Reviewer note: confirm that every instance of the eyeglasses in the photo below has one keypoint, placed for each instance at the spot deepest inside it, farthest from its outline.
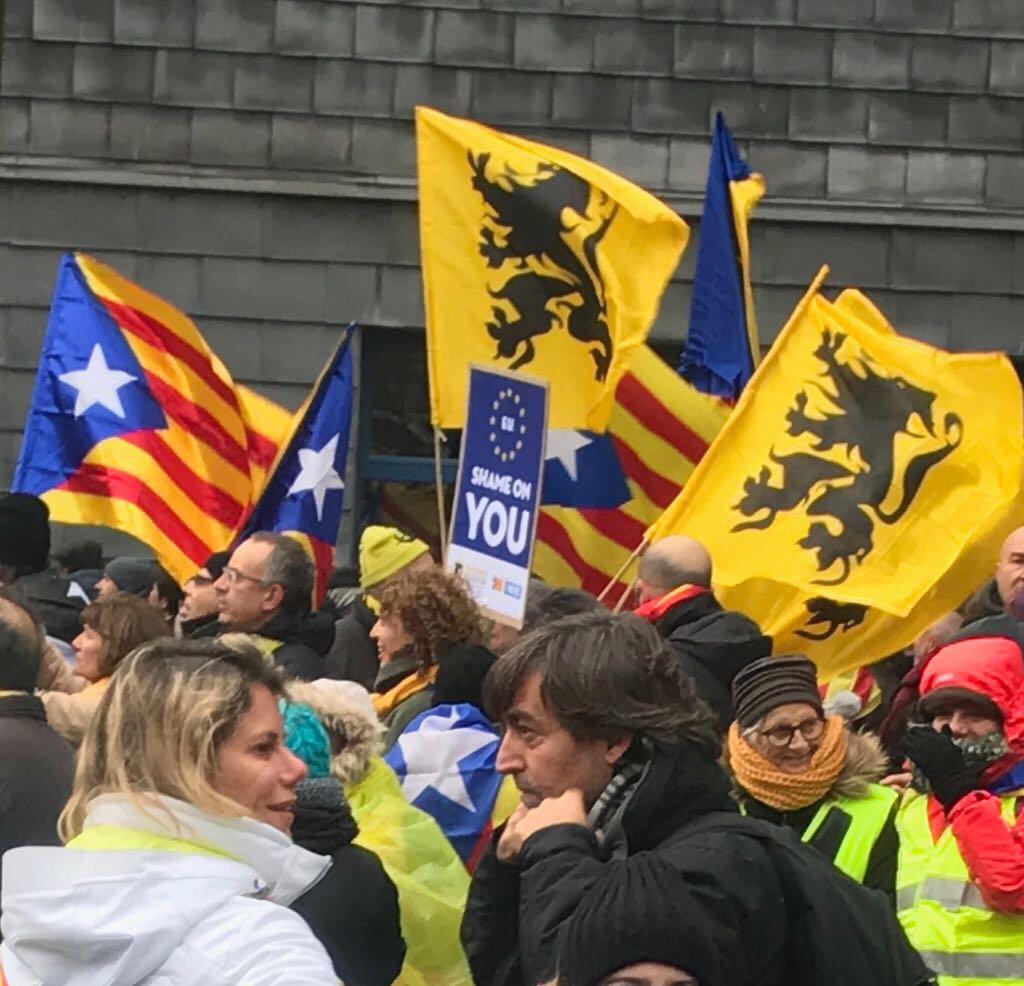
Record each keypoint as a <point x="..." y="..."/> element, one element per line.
<point x="233" y="576"/>
<point x="782" y="736"/>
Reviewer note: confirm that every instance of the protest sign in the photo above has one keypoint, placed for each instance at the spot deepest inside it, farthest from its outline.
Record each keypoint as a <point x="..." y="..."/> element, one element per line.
<point x="499" y="488"/>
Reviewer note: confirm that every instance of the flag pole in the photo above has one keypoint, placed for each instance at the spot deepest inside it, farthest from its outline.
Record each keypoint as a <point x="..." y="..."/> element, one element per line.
<point x="442" y="529"/>
<point x="636" y="553"/>
<point x="625" y="595"/>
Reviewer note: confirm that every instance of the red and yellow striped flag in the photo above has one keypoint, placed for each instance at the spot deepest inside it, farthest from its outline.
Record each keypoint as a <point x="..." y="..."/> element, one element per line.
<point x="136" y="424"/>
<point x="660" y="426"/>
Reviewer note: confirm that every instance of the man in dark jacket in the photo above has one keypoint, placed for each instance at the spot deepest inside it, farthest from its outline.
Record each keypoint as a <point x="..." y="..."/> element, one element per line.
<point x="24" y="562"/>
<point x="36" y="765"/>
<point x="384" y="552"/>
<point x="714" y="644"/>
<point x="616" y="757"/>
<point x="265" y="591"/>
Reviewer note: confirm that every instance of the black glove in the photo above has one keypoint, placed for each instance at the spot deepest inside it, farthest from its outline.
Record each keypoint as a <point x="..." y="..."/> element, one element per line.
<point x="942" y="763"/>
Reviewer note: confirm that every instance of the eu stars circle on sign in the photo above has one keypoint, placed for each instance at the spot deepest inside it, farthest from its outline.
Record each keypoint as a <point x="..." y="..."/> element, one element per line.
<point x="508" y="425"/>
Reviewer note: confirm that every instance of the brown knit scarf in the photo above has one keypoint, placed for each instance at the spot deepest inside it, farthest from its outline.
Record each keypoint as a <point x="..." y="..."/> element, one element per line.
<point x="762" y="780"/>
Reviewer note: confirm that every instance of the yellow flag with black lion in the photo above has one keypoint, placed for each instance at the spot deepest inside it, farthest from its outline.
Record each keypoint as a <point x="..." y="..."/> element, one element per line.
<point x="861" y="487"/>
<point x="534" y="259"/>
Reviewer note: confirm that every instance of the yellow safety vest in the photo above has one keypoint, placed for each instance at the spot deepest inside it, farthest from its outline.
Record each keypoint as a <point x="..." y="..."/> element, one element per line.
<point x="958" y="935"/>
<point x="868" y="815"/>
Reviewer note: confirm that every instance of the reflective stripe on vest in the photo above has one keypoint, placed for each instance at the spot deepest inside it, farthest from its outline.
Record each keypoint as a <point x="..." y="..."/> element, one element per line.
<point x="988" y="967"/>
<point x="959" y="936"/>
<point x="868" y="815"/>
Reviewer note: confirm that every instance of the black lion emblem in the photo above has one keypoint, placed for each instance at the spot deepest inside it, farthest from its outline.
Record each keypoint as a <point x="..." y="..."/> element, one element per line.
<point x="826" y="617"/>
<point x="856" y="460"/>
<point x="526" y="219"/>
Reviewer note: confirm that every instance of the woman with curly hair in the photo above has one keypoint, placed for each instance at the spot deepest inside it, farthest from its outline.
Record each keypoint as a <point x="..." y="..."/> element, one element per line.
<point x="428" y="635"/>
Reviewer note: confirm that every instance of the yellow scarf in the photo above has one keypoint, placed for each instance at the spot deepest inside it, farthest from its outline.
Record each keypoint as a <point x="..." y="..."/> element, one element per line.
<point x="384" y="702"/>
<point x="762" y="780"/>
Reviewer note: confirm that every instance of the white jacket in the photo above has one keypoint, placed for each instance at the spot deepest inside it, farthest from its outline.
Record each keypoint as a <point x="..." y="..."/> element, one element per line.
<point x="153" y="917"/>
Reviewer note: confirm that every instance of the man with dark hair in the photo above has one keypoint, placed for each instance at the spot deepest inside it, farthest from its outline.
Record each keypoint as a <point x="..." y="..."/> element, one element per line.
<point x="714" y="644"/>
<point x="24" y="562"/>
<point x="200" y="610"/>
<point x="616" y="757"/>
<point x="613" y="754"/>
<point x="36" y="765"/>
<point x="265" y="590"/>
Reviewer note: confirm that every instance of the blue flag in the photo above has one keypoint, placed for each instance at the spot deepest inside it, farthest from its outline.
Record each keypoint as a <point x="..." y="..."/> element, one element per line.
<point x="581" y="470"/>
<point x="445" y="760"/>
<point x="722" y="346"/>
<point x="304" y="493"/>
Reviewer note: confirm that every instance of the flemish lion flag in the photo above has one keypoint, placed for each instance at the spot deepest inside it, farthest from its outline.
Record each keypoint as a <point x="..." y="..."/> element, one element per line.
<point x="534" y="259"/>
<point x="858" y="467"/>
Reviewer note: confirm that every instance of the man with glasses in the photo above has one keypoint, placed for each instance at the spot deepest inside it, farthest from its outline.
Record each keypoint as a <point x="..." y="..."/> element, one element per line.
<point x="200" y="609"/>
<point x="795" y="766"/>
<point x="265" y="591"/>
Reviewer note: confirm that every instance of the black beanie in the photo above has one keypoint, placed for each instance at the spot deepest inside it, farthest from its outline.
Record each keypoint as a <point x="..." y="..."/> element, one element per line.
<point x="642" y="911"/>
<point x="216" y="564"/>
<point x="769" y="682"/>
<point x="24" y="532"/>
<point x="132" y="575"/>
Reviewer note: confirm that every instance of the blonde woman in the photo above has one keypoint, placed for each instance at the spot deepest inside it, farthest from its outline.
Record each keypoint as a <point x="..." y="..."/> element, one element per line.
<point x="178" y="851"/>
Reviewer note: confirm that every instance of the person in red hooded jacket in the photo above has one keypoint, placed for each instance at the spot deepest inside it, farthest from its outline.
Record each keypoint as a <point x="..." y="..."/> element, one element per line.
<point x="960" y="882"/>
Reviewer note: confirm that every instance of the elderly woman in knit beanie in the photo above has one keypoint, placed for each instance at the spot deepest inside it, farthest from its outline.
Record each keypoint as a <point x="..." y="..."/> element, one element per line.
<point x="794" y="765"/>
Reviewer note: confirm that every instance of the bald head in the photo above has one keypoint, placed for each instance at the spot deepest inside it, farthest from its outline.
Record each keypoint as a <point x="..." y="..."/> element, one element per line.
<point x="1010" y="567"/>
<point x="20" y="648"/>
<point x="671" y="562"/>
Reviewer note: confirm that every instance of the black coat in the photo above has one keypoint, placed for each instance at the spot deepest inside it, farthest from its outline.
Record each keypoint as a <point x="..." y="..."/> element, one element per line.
<point x="36" y="768"/>
<point x="305" y="639"/>
<point x="714" y="645"/>
<point x="353" y="655"/>
<point x="515" y="912"/>
<point x="47" y="596"/>
<point x="353" y="910"/>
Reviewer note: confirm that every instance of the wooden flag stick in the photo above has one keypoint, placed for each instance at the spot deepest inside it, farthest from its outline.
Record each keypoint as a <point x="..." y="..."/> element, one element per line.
<point x="637" y="552"/>
<point x="442" y="521"/>
<point x="625" y="595"/>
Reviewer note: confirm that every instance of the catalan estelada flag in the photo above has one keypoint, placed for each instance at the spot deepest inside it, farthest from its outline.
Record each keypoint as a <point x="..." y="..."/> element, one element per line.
<point x="858" y="469"/>
<point x="534" y="259"/>
<point x="304" y="492"/>
<point x="134" y="423"/>
<point x="722" y="347"/>
<point x="660" y="427"/>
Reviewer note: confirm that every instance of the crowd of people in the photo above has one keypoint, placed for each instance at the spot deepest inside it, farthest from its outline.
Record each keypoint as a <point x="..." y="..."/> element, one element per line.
<point x="216" y="783"/>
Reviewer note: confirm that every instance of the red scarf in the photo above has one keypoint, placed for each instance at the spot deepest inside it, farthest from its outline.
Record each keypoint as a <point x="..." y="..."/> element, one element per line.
<point x="655" y="609"/>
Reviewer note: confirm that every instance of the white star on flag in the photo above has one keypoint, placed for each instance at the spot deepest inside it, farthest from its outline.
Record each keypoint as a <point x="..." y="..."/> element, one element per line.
<point x="97" y="384"/>
<point x="564" y="444"/>
<point x="317" y="474"/>
<point x="432" y="754"/>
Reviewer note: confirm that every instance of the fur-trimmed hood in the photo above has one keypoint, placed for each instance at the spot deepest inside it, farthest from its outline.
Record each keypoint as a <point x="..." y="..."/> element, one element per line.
<point x="865" y="764"/>
<point x="344" y="707"/>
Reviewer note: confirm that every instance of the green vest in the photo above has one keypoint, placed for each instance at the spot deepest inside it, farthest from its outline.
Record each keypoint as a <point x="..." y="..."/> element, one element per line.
<point x="958" y="935"/>
<point x="867" y="817"/>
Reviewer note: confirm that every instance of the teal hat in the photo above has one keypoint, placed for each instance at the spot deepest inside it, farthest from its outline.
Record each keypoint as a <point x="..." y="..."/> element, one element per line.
<point x="305" y="736"/>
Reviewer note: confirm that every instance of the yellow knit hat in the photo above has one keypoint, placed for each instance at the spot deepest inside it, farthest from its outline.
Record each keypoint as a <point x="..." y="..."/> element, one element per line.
<point x="385" y="550"/>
